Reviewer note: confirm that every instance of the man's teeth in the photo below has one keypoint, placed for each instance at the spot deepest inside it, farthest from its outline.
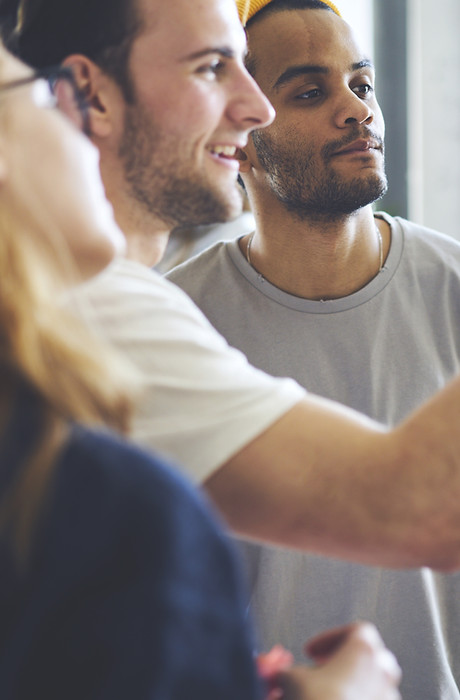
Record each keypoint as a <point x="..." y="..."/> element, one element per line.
<point x="228" y="151"/>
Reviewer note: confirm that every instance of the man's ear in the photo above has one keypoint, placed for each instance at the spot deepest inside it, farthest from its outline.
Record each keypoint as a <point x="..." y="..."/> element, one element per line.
<point x="97" y="89"/>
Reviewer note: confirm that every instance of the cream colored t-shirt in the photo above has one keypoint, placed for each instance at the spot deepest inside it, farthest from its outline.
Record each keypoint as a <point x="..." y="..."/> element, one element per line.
<point x="202" y="401"/>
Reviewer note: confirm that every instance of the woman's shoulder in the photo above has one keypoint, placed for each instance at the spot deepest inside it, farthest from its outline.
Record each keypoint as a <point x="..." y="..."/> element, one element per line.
<point x="131" y="493"/>
<point x="125" y="472"/>
<point x="114" y="500"/>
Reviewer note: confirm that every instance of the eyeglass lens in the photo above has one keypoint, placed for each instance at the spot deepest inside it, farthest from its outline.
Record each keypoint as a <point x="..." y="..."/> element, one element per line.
<point x="68" y="100"/>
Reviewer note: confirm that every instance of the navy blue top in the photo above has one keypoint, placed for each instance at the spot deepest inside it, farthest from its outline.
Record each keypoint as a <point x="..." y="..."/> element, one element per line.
<point x="131" y="590"/>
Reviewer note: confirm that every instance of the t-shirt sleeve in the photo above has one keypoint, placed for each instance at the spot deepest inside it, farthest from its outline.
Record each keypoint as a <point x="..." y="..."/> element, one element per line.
<point x="201" y="402"/>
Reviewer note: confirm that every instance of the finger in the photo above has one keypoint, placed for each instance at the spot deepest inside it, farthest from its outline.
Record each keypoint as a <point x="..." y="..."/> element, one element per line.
<point x="276" y="660"/>
<point x="325" y="644"/>
<point x="389" y="664"/>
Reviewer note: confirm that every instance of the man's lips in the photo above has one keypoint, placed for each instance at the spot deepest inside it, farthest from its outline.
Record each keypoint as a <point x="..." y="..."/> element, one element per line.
<point x="358" y="146"/>
<point x="227" y="149"/>
<point x="223" y="151"/>
<point x="225" y="154"/>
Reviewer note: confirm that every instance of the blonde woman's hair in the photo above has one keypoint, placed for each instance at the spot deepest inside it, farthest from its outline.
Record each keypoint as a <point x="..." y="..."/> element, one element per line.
<point x="46" y="350"/>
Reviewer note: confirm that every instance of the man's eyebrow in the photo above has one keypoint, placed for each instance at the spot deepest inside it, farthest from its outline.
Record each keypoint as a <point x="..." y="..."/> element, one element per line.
<point x="223" y="51"/>
<point x="294" y="71"/>
<point x="365" y="63"/>
<point x="305" y="69"/>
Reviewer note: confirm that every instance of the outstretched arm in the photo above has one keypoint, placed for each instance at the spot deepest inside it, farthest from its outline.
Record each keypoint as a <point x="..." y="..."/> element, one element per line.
<point x="324" y="478"/>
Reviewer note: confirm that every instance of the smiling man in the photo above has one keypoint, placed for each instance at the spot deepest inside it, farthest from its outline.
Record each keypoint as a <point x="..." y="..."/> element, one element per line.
<point x="358" y="307"/>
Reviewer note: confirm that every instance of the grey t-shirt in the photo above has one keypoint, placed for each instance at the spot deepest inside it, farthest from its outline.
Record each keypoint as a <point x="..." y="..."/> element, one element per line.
<point x="383" y="351"/>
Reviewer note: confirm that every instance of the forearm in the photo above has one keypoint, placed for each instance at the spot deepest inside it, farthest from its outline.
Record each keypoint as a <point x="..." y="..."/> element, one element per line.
<point x="326" y="479"/>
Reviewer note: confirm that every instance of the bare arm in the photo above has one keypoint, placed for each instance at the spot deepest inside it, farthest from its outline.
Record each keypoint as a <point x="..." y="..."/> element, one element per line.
<point x="324" y="478"/>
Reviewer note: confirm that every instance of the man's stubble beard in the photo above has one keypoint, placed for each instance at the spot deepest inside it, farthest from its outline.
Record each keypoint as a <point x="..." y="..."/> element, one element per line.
<point x="163" y="184"/>
<point x="310" y="192"/>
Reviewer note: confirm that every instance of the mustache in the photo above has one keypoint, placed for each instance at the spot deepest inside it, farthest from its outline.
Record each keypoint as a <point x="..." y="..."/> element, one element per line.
<point x="358" y="133"/>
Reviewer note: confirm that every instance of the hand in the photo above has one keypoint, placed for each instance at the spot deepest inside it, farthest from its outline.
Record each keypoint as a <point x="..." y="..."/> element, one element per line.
<point x="352" y="664"/>
<point x="270" y="665"/>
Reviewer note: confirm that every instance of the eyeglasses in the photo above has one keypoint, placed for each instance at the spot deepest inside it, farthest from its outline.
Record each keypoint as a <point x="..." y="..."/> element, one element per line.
<point x="56" y="87"/>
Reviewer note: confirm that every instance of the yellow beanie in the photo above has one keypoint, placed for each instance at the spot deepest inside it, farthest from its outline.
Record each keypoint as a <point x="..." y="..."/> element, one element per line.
<point x="249" y="8"/>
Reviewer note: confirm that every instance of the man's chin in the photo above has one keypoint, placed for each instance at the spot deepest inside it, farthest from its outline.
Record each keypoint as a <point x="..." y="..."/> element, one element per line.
<point x="220" y="207"/>
<point x="193" y="203"/>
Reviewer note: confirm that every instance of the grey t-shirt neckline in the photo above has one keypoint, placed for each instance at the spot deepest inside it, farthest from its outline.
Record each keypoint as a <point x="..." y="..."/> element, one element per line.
<point x="327" y="306"/>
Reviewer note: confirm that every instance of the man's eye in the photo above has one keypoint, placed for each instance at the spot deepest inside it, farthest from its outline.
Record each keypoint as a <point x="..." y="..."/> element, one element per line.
<point x="309" y="94"/>
<point x="211" y="70"/>
<point x="364" y="90"/>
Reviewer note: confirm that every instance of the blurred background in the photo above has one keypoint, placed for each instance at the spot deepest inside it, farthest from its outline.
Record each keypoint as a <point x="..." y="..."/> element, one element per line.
<point x="415" y="45"/>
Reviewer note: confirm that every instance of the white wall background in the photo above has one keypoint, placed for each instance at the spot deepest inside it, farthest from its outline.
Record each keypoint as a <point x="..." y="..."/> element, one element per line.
<point x="434" y="114"/>
<point x="359" y="13"/>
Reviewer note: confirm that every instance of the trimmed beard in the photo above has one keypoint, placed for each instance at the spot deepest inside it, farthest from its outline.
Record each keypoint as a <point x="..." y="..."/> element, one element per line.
<point x="163" y="184"/>
<point x="309" y="192"/>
